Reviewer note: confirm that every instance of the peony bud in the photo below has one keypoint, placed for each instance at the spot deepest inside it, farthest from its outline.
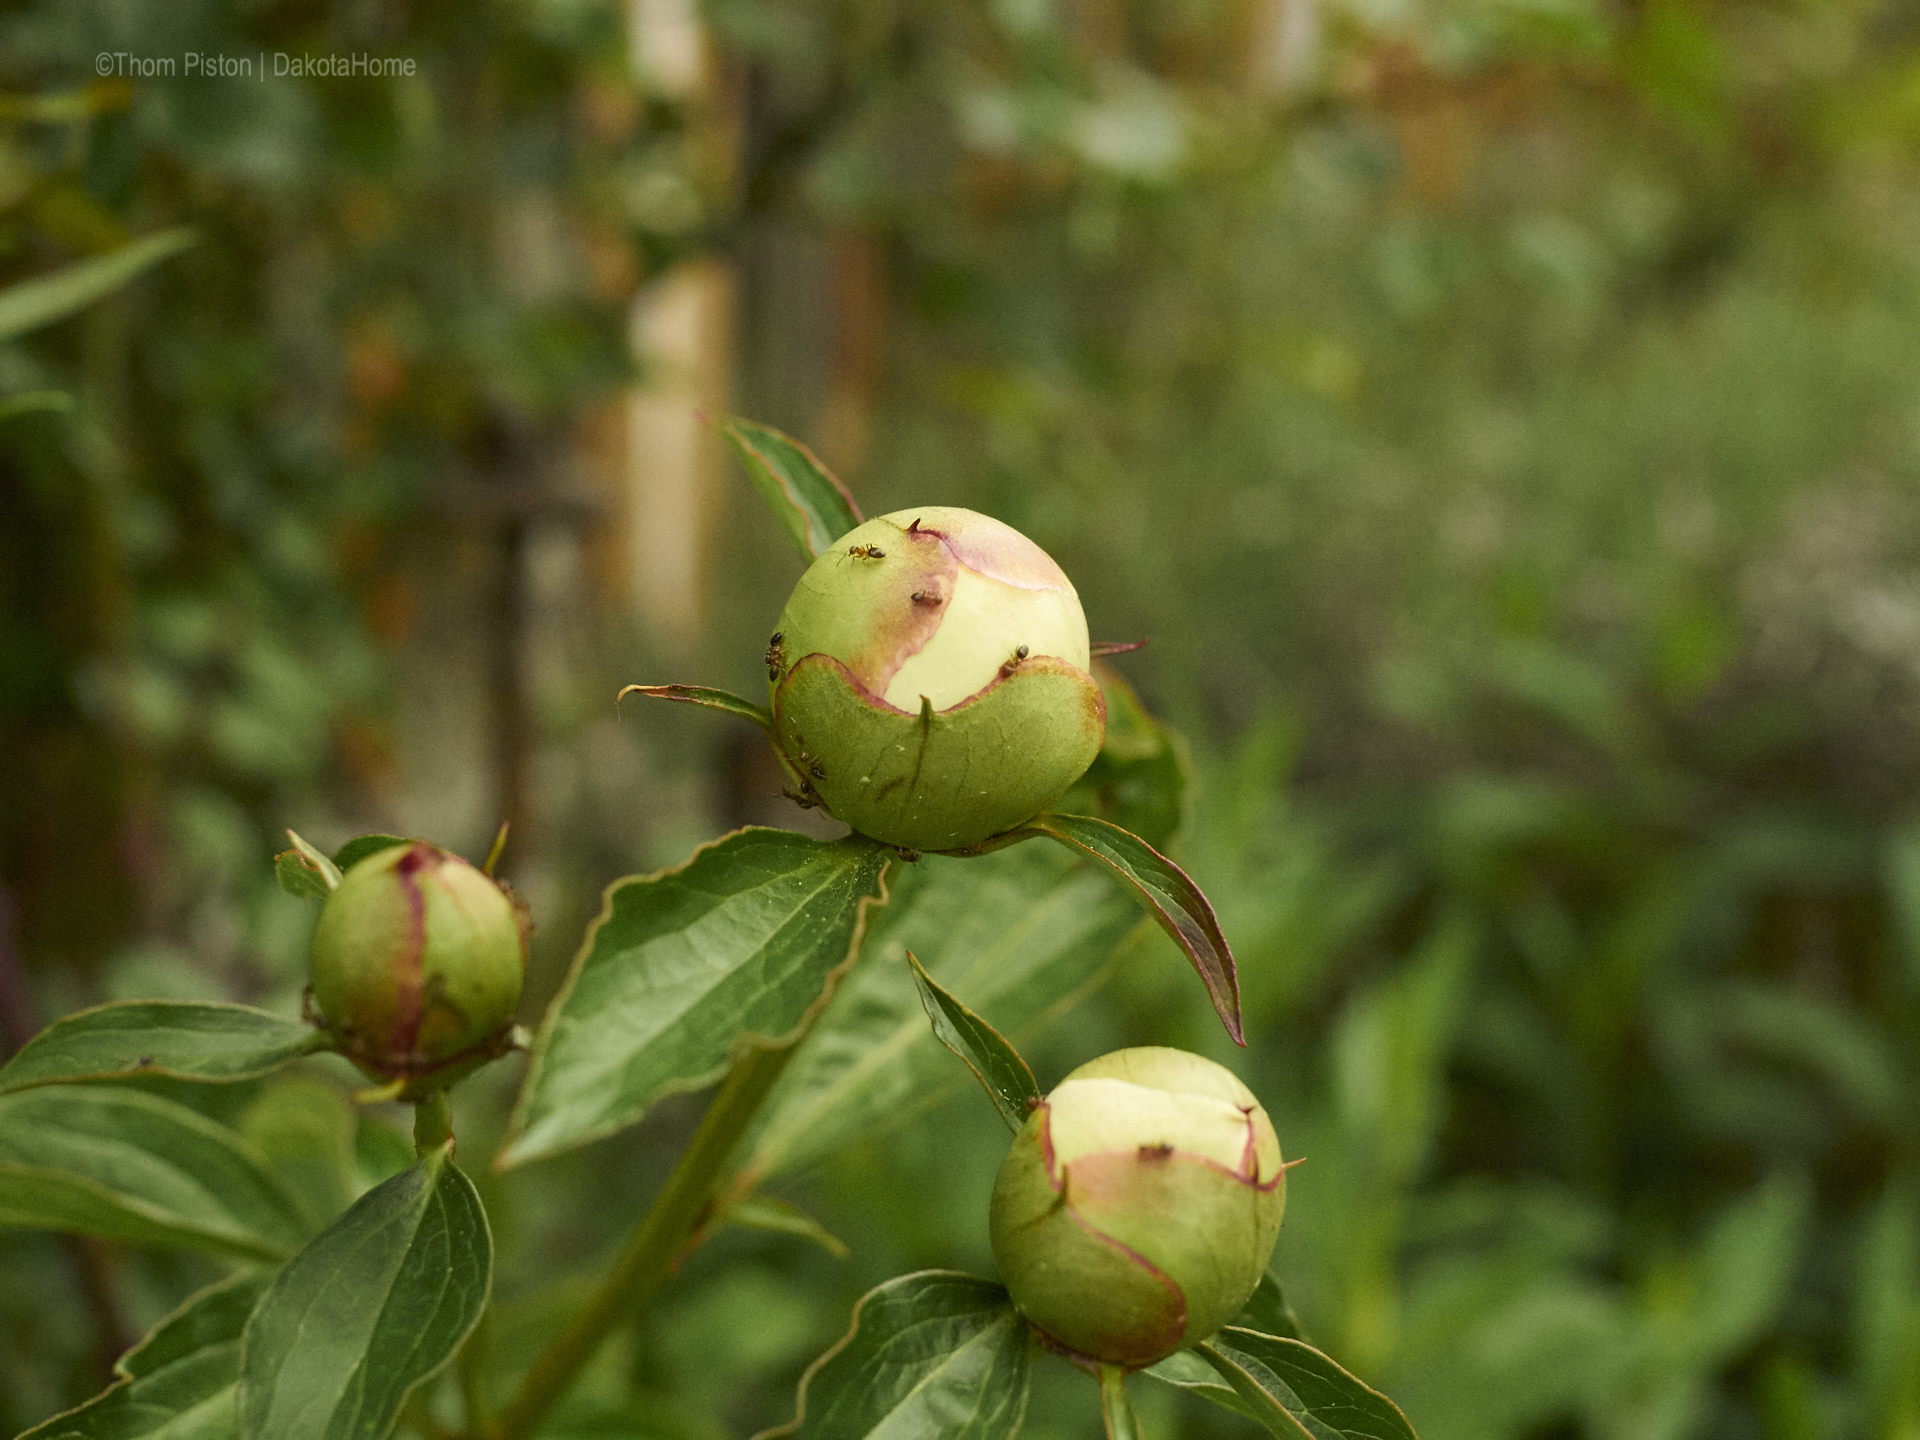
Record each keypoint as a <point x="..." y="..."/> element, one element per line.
<point x="417" y="964"/>
<point x="1139" y="1205"/>
<point x="929" y="680"/>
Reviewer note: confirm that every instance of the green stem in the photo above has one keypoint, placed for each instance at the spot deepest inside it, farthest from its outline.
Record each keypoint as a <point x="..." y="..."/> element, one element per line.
<point x="1115" y="1408"/>
<point x="643" y="1262"/>
<point x="432" y="1123"/>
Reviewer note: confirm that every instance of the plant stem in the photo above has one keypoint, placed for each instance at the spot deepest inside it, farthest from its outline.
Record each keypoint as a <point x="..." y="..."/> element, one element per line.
<point x="662" y="1232"/>
<point x="432" y="1123"/>
<point x="1115" y="1408"/>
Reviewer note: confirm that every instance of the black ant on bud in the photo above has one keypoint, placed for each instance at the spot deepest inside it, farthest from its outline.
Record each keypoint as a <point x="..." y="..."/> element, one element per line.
<point x="776" y="655"/>
<point x="866" y="552"/>
<point x="1013" y="661"/>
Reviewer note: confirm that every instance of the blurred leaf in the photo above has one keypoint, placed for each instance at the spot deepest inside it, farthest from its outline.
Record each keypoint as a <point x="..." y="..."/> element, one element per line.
<point x="33" y="402"/>
<point x="1268" y="1312"/>
<point x="160" y="1037"/>
<point x="779" y="1217"/>
<point x="1901" y="866"/>
<point x="178" y="1383"/>
<point x="810" y="502"/>
<point x="361" y="846"/>
<point x="686" y="970"/>
<point x="29" y="304"/>
<point x="931" y="1356"/>
<point x="983" y="1049"/>
<point x="1022" y="934"/>
<point x="305" y="1129"/>
<point x="1745" y="1269"/>
<point x="1296" y="1392"/>
<point x="125" y="1165"/>
<point x="1170" y="897"/>
<point x="1142" y="777"/>
<point x="1886" y="1306"/>
<point x="701" y="695"/>
<point x="377" y="1303"/>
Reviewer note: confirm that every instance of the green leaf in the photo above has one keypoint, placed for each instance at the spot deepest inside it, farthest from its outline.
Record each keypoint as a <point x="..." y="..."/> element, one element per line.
<point x="701" y="695"/>
<point x="375" y="1305"/>
<point x="36" y="402"/>
<point x="931" y="1356"/>
<point x="1296" y="1392"/>
<point x="304" y="871"/>
<point x="1173" y="900"/>
<point x="125" y="1165"/>
<point x="1268" y="1312"/>
<point x="183" y="1039"/>
<point x="178" y="1383"/>
<point x="298" y="878"/>
<point x="1023" y="935"/>
<point x="1142" y="778"/>
<point x="814" y="507"/>
<point x="1007" y="1079"/>
<point x="685" y="971"/>
<point x="46" y="298"/>
<point x="361" y="846"/>
<point x="778" y="1217"/>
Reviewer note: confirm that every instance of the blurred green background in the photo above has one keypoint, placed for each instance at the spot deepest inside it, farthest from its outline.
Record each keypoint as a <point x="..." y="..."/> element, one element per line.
<point x="1503" y="416"/>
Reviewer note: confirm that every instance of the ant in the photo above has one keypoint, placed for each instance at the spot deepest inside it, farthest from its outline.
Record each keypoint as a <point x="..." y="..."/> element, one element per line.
<point x="1013" y="662"/>
<point x="776" y="655"/>
<point x="927" y="597"/>
<point x="866" y="552"/>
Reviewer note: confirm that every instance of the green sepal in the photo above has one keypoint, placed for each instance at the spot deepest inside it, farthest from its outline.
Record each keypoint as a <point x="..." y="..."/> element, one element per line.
<point x="779" y="1217"/>
<point x="361" y="846"/>
<point x="380" y="1300"/>
<point x="941" y="780"/>
<point x="931" y="1356"/>
<point x="724" y="700"/>
<point x="812" y="505"/>
<point x="186" y="1040"/>
<point x="1007" y="1079"/>
<point x="178" y="1383"/>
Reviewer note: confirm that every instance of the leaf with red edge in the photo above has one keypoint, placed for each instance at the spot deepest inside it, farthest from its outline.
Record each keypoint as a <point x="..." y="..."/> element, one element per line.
<point x="702" y="695"/>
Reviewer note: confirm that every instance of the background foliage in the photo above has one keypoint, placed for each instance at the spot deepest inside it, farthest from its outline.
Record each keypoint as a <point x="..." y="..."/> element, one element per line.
<point x="1501" y="416"/>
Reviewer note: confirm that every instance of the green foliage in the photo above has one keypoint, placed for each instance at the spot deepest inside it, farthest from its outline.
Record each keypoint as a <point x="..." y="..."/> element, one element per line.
<point x="177" y="1382"/>
<point x="379" y="1301"/>
<point x="46" y="298"/>
<point x="1286" y="1385"/>
<point x="687" y="970"/>
<point x="124" y="1165"/>
<point x="931" y="1356"/>
<point x="983" y="1049"/>
<point x="160" y="1037"/>
<point x="811" y="503"/>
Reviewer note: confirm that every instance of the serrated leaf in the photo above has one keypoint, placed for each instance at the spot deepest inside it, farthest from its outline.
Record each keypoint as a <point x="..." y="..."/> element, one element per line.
<point x="44" y="299"/>
<point x="125" y="1165"/>
<point x="183" y="1039"/>
<point x="778" y="1217"/>
<point x="1172" y="898"/>
<point x="361" y="846"/>
<point x="702" y="695"/>
<point x="1005" y="1077"/>
<point x="298" y="877"/>
<point x="685" y="971"/>
<point x="1023" y="935"/>
<point x="178" y="1383"/>
<point x="1296" y="1392"/>
<point x="812" y="505"/>
<point x="931" y="1356"/>
<point x="376" y="1304"/>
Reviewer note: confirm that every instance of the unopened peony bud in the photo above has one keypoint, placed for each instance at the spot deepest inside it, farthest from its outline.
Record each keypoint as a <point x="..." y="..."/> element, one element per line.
<point x="1139" y="1205"/>
<point x="417" y="963"/>
<point x="929" y="679"/>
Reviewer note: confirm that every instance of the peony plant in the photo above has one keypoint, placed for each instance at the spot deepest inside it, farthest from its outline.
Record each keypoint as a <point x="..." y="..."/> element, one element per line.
<point x="930" y="683"/>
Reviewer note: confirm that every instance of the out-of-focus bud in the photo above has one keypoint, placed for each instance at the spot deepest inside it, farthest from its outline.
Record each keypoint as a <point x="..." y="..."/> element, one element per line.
<point x="417" y="964"/>
<point x="929" y="680"/>
<point x="1139" y="1205"/>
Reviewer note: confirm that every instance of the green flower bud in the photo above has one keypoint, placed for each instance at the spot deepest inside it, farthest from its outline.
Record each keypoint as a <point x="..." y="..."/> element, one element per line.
<point x="929" y="680"/>
<point x="417" y="964"/>
<point x="1139" y="1205"/>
